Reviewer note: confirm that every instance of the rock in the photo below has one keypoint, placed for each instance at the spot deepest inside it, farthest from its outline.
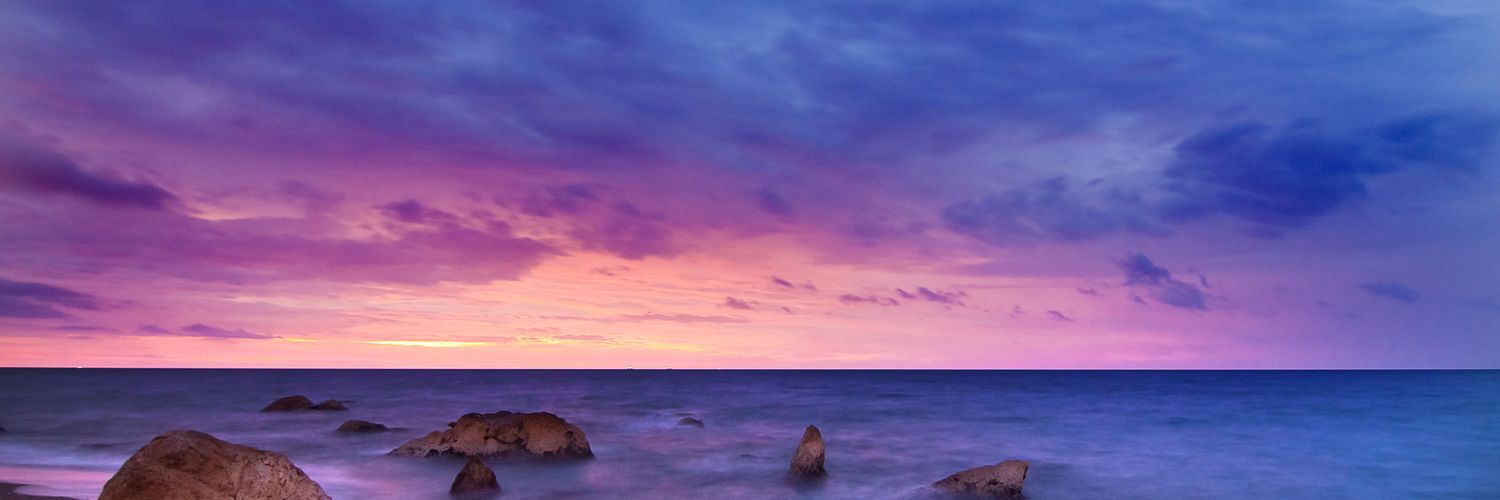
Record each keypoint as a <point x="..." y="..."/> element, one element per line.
<point x="690" y="422"/>
<point x="1002" y="480"/>
<point x="361" y="426"/>
<point x="807" y="461"/>
<point x="502" y="433"/>
<point x="330" y="405"/>
<point x="190" y="465"/>
<point x="475" y="478"/>
<point x="289" y="403"/>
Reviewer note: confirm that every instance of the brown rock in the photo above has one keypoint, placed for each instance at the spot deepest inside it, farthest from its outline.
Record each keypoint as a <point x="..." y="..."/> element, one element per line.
<point x="191" y="465"/>
<point x="361" y="426"/>
<point x="289" y="403"/>
<point x="807" y="461"/>
<point x="475" y="478"/>
<point x="1002" y="480"/>
<point x="330" y="405"/>
<point x="502" y="433"/>
<point x="690" y="422"/>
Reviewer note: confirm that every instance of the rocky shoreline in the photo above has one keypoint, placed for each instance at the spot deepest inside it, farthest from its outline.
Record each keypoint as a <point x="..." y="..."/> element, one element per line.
<point x="185" y="464"/>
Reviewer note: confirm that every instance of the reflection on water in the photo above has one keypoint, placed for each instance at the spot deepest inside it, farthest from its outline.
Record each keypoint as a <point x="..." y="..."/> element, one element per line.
<point x="1087" y="434"/>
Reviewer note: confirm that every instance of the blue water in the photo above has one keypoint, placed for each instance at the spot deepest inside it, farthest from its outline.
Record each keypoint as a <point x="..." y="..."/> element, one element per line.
<point x="1087" y="434"/>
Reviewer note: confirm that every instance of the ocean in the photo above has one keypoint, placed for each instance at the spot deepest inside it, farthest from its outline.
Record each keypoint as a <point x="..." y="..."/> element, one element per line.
<point x="889" y="434"/>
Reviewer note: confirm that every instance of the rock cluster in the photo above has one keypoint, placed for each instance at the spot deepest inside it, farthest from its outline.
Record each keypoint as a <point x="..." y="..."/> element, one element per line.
<point x="299" y="403"/>
<point x="502" y="433"/>
<point x="1002" y="480"/>
<point x="807" y="461"/>
<point x="190" y="465"/>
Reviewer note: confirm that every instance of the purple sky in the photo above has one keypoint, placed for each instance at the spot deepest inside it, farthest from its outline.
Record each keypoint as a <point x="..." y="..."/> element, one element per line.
<point x="750" y="184"/>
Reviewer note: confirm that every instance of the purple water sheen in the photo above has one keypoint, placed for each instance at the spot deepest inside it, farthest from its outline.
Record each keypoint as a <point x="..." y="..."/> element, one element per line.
<point x="1087" y="434"/>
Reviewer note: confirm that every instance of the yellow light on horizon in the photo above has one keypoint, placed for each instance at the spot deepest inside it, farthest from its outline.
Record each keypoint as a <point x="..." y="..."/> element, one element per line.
<point x="441" y="344"/>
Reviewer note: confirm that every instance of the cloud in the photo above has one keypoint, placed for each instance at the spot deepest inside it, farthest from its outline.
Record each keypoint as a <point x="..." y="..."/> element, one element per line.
<point x="153" y="330"/>
<point x="930" y="295"/>
<point x="778" y="281"/>
<point x="414" y="212"/>
<point x="1058" y="316"/>
<point x="851" y="299"/>
<point x="1391" y="290"/>
<point x="630" y="233"/>
<point x="1284" y="177"/>
<point x="1141" y="272"/>
<point x="35" y="169"/>
<point x="201" y="330"/>
<point x="1087" y="291"/>
<point x="21" y="299"/>
<point x="773" y="203"/>
<point x="1050" y="211"/>
<point x="734" y="303"/>
<point x="570" y="199"/>
<point x="677" y="318"/>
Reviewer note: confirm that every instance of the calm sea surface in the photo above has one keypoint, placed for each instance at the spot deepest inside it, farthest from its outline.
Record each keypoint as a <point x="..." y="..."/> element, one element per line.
<point x="1087" y="434"/>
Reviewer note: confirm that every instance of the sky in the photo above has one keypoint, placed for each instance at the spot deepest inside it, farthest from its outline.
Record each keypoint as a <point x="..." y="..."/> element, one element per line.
<point x="1095" y="184"/>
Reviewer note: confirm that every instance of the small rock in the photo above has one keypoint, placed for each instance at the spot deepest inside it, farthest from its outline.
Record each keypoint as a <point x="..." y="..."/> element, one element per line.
<point x="690" y="422"/>
<point x="189" y="465"/>
<point x="289" y="403"/>
<point x="502" y="433"/>
<point x="807" y="461"/>
<point x="330" y="405"/>
<point x="361" y="426"/>
<point x="475" y="478"/>
<point x="1002" y="480"/>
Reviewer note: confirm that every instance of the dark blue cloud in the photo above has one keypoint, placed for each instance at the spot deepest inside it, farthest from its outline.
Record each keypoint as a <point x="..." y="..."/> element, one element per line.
<point x="208" y="331"/>
<point x="1391" y="290"/>
<point x="21" y="299"/>
<point x="773" y="203"/>
<point x="1284" y="177"/>
<point x="1141" y="272"/>
<point x="734" y="303"/>
<point x="414" y="212"/>
<point x="630" y="233"/>
<point x="1058" y="316"/>
<point x="29" y="168"/>
<point x="852" y="299"/>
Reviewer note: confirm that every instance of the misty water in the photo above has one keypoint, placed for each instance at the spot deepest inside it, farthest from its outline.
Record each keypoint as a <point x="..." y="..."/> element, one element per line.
<point x="1086" y="434"/>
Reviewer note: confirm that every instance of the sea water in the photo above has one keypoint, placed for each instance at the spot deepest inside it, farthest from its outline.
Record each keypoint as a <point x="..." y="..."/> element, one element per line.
<point x="889" y="434"/>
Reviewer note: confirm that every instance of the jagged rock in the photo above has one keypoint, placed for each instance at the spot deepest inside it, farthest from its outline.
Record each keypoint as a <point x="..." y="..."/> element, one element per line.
<point x="690" y="422"/>
<point x="330" y="405"/>
<point x="289" y="403"/>
<point x="502" y="433"/>
<point x="1002" y="480"/>
<point x="191" y="465"/>
<point x="475" y="478"/>
<point x="807" y="461"/>
<point x="361" y="426"/>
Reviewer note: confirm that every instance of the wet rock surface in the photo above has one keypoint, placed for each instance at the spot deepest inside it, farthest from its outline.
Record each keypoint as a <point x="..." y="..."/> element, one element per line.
<point x="191" y="465"/>
<point x="502" y="433"/>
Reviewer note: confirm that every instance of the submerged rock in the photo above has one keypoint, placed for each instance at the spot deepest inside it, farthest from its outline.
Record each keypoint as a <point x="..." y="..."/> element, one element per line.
<point x="502" y="433"/>
<point x="807" y="461"/>
<point x="330" y="405"/>
<point x="299" y="403"/>
<point x="361" y="426"/>
<point x="289" y="403"/>
<point x="1002" y="480"/>
<point x="690" y="422"/>
<point x="190" y="465"/>
<point x="475" y="478"/>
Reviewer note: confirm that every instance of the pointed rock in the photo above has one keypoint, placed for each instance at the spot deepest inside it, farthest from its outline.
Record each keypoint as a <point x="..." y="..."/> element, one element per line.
<point x="187" y="465"/>
<point x="362" y="426"/>
<point x="475" y="478"/>
<point x="807" y="461"/>
<point x="289" y="403"/>
<point x="1002" y="480"/>
<point x="502" y="433"/>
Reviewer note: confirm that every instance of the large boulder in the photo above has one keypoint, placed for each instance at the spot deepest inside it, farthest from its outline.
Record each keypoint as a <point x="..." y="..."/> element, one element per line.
<point x="502" y="433"/>
<point x="361" y="426"/>
<point x="807" y="461"/>
<point x="1002" y="480"/>
<point x="475" y="479"/>
<point x="191" y="465"/>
